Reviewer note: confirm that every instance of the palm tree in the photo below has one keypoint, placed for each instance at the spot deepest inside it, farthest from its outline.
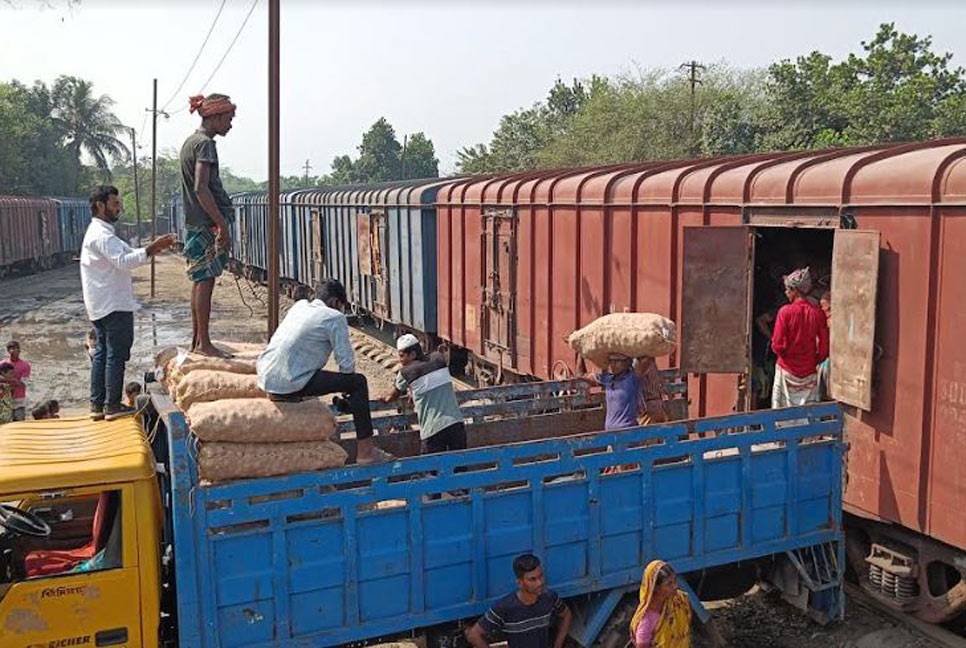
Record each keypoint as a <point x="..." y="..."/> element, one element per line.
<point x="87" y="123"/>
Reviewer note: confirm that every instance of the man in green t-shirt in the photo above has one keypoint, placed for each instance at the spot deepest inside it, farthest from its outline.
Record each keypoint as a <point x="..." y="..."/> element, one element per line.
<point x="427" y="378"/>
<point x="207" y="213"/>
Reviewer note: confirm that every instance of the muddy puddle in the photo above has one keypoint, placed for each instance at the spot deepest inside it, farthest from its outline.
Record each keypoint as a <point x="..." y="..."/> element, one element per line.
<point x="45" y="313"/>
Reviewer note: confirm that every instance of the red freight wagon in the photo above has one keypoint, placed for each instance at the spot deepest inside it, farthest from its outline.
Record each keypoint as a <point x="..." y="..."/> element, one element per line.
<point x="525" y="259"/>
<point x="29" y="233"/>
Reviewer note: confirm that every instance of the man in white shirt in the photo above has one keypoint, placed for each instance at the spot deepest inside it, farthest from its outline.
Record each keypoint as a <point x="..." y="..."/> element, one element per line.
<point x="106" y="263"/>
<point x="292" y="366"/>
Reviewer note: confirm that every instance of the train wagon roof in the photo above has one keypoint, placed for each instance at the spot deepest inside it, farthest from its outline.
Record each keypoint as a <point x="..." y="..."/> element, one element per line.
<point x="917" y="173"/>
<point x="69" y="452"/>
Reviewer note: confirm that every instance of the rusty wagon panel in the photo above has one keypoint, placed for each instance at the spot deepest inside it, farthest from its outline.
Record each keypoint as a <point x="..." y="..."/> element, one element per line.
<point x="29" y="232"/>
<point x="592" y="241"/>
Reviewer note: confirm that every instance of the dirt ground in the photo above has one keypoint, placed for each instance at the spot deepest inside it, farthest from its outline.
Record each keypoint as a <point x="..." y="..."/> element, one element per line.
<point x="45" y="312"/>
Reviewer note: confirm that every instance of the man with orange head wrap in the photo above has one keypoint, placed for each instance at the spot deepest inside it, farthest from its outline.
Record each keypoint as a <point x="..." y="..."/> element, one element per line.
<point x="208" y="213"/>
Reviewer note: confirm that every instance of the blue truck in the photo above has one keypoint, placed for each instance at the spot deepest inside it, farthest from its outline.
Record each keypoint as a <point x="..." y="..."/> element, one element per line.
<point x="107" y="536"/>
<point x="374" y="552"/>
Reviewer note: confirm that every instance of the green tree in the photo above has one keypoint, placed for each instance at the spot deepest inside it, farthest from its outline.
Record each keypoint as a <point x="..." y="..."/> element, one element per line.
<point x="381" y="158"/>
<point x="419" y="158"/>
<point x="87" y="123"/>
<point x="344" y="171"/>
<point x="32" y="157"/>
<point x="898" y="89"/>
<point x="379" y="153"/>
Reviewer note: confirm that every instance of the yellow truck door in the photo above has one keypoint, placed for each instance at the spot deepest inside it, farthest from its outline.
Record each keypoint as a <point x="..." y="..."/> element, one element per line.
<point x="76" y="586"/>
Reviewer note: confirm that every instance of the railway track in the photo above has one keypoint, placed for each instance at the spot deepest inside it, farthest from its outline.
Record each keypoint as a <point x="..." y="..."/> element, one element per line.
<point x="370" y="345"/>
<point x="938" y="635"/>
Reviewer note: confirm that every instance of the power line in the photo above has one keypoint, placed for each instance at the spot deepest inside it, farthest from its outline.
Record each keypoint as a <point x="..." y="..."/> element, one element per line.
<point x="224" y="56"/>
<point x="197" y="56"/>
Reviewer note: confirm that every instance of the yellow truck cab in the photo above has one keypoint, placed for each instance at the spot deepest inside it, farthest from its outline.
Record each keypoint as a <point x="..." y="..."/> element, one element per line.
<point x="80" y="525"/>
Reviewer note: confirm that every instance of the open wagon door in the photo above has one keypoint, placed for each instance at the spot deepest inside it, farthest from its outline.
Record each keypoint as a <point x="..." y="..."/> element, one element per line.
<point x="716" y="299"/>
<point x="855" y="280"/>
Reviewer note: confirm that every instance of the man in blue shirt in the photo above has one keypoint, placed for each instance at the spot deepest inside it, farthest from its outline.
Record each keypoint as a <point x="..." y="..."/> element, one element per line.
<point x="525" y="616"/>
<point x="292" y="365"/>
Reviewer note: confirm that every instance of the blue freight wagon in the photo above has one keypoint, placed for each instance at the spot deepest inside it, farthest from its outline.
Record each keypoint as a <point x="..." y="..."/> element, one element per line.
<point x="74" y="215"/>
<point x="378" y="240"/>
<point x="406" y="548"/>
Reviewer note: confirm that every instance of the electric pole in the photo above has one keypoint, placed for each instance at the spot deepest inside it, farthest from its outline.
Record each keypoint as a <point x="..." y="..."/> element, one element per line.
<point x="154" y="171"/>
<point x="307" y="168"/>
<point x="137" y="188"/>
<point x="154" y="174"/>
<point x="403" y="157"/>
<point x="693" y="68"/>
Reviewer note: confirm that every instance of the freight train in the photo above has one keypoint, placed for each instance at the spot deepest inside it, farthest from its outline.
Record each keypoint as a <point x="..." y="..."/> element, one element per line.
<point x="502" y="268"/>
<point x="40" y="233"/>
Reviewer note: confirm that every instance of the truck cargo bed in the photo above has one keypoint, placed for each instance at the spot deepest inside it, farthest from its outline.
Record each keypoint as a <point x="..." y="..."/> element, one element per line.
<point x="355" y="553"/>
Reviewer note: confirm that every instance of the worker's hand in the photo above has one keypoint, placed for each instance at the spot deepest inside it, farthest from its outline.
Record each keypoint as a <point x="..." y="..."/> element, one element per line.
<point x="388" y="398"/>
<point x="223" y="237"/>
<point x="160" y="244"/>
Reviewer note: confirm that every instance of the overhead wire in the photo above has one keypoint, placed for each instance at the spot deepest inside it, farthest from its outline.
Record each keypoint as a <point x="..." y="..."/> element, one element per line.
<point x="197" y="56"/>
<point x="225" y="55"/>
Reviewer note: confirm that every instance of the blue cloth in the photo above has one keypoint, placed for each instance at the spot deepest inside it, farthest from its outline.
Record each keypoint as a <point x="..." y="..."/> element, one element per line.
<point x="622" y="395"/>
<point x="302" y="344"/>
<point x="115" y="335"/>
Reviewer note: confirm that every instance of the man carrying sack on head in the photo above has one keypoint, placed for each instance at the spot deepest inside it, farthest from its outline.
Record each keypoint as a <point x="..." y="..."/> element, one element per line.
<point x="207" y="212"/>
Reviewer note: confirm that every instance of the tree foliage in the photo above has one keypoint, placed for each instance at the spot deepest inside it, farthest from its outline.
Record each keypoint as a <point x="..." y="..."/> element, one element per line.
<point x="45" y="130"/>
<point x="382" y="158"/>
<point x="86" y="123"/>
<point x="896" y="89"/>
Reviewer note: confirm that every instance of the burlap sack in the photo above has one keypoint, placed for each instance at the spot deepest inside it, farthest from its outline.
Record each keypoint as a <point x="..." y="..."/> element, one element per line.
<point x="629" y="334"/>
<point x="204" y="386"/>
<point x="240" y="351"/>
<point x="259" y="420"/>
<point x="219" y="461"/>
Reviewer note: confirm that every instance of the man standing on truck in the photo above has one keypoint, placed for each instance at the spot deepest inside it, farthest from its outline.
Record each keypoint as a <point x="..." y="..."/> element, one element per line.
<point x="524" y="617"/>
<point x="441" y="426"/>
<point x="292" y="366"/>
<point x="105" y="264"/>
<point x="800" y="340"/>
<point x="207" y="212"/>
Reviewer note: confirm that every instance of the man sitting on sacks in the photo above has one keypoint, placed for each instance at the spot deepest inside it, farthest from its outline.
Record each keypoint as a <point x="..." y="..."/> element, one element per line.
<point x="631" y="398"/>
<point x="292" y="365"/>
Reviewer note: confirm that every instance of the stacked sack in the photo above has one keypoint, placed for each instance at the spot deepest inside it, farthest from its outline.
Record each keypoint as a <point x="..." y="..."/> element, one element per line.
<point x="633" y="335"/>
<point x="241" y="433"/>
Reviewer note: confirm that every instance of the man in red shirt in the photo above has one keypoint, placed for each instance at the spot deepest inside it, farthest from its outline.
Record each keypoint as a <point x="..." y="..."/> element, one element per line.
<point x="800" y="340"/>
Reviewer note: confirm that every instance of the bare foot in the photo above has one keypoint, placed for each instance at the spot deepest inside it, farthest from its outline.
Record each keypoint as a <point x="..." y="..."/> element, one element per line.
<point x="211" y="351"/>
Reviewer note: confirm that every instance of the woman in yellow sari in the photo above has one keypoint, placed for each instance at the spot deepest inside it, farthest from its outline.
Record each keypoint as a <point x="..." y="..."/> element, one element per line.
<point x="663" y="617"/>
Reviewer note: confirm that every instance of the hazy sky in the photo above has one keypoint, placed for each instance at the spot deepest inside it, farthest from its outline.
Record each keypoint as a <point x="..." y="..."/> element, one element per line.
<point x="450" y="69"/>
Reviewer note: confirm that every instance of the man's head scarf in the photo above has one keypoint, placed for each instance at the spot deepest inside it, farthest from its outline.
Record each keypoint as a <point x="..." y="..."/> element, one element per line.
<point x="213" y="104"/>
<point x="800" y="280"/>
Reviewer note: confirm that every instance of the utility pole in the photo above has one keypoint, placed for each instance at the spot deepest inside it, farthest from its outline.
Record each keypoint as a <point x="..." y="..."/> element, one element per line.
<point x="137" y="187"/>
<point x="154" y="174"/>
<point x="307" y="168"/>
<point x="403" y="156"/>
<point x="693" y="68"/>
<point x="273" y="163"/>
<point x="154" y="171"/>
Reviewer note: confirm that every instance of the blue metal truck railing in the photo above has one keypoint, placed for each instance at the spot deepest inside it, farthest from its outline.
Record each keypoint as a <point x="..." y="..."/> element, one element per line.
<point x="360" y="552"/>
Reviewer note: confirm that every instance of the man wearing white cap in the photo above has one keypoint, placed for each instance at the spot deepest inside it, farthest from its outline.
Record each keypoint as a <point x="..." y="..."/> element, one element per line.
<point x="427" y="377"/>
